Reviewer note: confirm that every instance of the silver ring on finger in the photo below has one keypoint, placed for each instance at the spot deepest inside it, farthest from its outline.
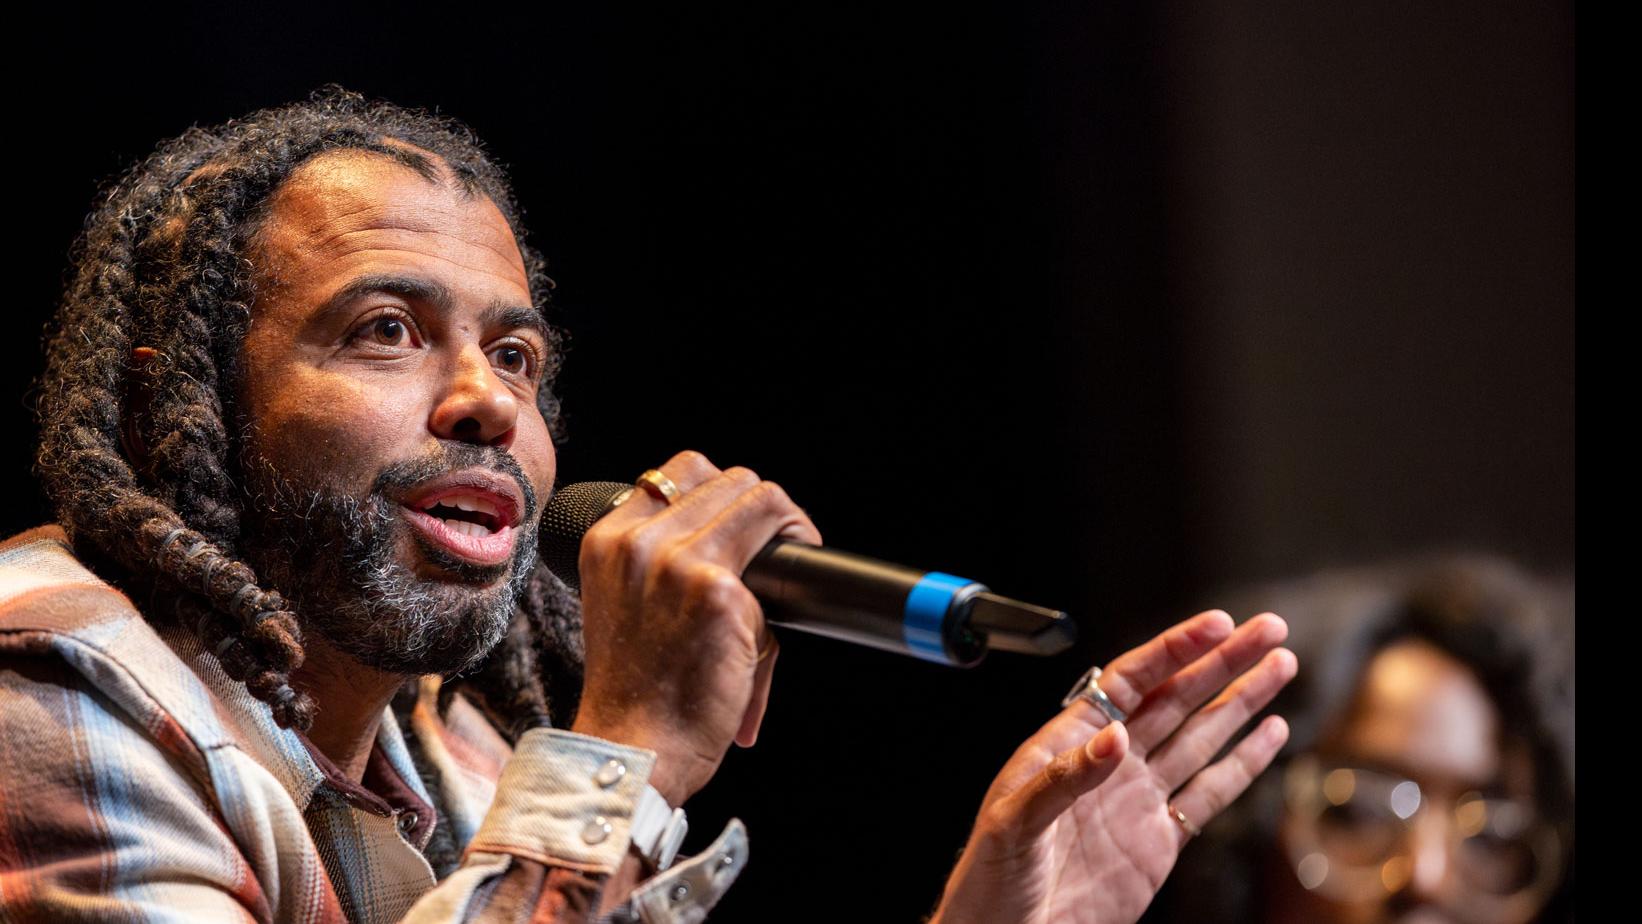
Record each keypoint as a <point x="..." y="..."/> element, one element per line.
<point x="1185" y="823"/>
<point x="658" y="486"/>
<point x="1088" y="688"/>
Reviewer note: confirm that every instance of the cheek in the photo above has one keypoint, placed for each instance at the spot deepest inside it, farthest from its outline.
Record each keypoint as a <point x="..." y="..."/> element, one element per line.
<point x="533" y="449"/>
<point x="335" y="426"/>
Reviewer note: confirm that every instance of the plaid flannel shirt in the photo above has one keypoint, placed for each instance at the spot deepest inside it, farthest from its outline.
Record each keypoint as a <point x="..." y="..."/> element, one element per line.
<point x="139" y="783"/>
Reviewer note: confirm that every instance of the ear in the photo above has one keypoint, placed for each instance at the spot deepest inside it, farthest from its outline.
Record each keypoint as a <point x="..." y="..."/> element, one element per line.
<point x="138" y="396"/>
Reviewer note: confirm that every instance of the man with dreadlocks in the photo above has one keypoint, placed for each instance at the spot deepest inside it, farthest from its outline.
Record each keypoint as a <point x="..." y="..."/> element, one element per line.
<point x="297" y="429"/>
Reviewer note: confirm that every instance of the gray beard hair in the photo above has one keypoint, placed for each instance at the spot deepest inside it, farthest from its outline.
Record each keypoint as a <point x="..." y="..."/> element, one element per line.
<point x="333" y="555"/>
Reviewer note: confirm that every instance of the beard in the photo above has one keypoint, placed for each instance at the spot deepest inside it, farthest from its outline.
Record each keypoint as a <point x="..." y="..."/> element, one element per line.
<point x="335" y="556"/>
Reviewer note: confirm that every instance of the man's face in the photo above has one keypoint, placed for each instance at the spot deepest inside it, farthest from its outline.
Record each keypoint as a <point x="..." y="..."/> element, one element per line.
<point x="394" y="456"/>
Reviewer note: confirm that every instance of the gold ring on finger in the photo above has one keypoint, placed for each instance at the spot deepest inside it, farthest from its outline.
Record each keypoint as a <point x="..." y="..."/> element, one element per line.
<point x="658" y="486"/>
<point x="1184" y="822"/>
<point x="1088" y="688"/>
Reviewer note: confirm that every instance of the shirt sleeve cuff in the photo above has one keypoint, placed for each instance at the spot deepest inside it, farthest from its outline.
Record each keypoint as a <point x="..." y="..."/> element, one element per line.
<point x="566" y="800"/>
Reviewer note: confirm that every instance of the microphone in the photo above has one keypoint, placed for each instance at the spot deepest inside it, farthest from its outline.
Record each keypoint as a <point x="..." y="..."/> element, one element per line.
<point x="926" y="614"/>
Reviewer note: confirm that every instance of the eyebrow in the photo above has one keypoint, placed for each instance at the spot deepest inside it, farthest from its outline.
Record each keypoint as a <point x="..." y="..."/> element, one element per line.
<point x="499" y="313"/>
<point x="502" y="314"/>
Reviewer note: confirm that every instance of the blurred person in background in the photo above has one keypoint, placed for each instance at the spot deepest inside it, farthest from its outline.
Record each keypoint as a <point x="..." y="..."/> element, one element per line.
<point x="1429" y="774"/>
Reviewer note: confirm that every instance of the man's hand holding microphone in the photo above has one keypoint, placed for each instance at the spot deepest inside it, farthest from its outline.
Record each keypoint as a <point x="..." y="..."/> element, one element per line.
<point x="1084" y="822"/>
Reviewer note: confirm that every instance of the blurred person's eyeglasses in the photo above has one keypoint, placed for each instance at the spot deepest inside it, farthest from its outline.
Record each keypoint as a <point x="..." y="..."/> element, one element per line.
<point x="1350" y="838"/>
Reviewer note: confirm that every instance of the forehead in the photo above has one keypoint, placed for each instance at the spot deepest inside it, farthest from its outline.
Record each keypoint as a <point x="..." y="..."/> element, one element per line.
<point x="1419" y="711"/>
<point x="351" y="212"/>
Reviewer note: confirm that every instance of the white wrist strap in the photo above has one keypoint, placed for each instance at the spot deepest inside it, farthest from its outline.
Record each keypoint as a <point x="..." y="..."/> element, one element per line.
<point x="658" y="829"/>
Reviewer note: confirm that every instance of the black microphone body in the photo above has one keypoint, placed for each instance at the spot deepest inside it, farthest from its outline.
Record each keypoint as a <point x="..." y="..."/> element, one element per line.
<point x="866" y="601"/>
<point x="926" y="614"/>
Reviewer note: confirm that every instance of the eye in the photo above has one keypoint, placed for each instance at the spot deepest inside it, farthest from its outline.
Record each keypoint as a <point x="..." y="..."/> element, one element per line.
<point x="389" y="331"/>
<point x="515" y="359"/>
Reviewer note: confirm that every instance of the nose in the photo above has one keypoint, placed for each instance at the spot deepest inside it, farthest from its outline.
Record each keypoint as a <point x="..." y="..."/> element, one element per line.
<point x="1430" y="845"/>
<point x="476" y="406"/>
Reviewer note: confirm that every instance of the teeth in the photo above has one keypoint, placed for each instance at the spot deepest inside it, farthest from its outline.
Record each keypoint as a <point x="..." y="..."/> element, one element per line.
<point x="477" y="504"/>
<point x="466" y="528"/>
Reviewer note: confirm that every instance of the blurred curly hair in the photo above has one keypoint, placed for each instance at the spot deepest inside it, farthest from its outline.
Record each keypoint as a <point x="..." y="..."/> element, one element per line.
<point x="1512" y="629"/>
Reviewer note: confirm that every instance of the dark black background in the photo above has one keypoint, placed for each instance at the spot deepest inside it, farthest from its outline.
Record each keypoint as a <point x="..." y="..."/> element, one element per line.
<point x="1111" y="308"/>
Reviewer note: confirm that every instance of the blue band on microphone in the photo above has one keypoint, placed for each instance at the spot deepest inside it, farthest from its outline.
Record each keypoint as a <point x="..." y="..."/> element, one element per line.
<point x="924" y="615"/>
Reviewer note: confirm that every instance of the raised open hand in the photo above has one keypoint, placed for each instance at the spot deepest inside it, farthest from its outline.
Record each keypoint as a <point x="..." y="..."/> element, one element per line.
<point x="1078" y="826"/>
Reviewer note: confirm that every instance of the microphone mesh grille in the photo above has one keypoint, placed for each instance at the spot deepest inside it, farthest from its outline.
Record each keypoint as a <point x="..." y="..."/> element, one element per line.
<point x="569" y="513"/>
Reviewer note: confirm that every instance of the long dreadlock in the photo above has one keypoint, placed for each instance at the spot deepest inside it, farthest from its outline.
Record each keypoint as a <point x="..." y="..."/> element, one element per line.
<point x="162" y="264"/>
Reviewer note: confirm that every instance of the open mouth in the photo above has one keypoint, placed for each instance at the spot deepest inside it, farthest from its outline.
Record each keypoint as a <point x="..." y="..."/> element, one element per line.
<point x="469" y="516"/>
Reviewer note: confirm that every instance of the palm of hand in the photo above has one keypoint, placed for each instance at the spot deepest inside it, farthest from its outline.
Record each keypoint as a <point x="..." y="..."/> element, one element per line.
<point x="1107" y="856"/>
<point x="1078" y="826"/>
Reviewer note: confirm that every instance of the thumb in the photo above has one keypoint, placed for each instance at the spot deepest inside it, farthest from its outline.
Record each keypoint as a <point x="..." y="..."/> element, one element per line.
<point x="753" y="718"/>
<point x="1071" y="774"/>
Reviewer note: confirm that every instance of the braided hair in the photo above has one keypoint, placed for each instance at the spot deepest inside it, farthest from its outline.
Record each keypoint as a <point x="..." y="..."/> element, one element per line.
<point x="162" y="266"/>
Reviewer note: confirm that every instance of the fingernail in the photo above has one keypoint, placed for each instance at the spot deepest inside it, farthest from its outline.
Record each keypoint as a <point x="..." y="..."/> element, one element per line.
<point x="1105" y="743"/>
<point x="1278" y="728"/>
<point x="1288" y="664"/>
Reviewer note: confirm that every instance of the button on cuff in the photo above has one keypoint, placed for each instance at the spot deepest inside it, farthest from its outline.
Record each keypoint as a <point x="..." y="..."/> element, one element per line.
<point x="597" y="830"/>
<point x="610" y="774"/>
<point x="563" y="801"/>
<point x="686" y="892"/>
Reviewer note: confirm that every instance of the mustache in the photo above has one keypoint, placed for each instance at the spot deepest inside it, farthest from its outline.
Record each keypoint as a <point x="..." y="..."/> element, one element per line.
<point x="333" y="551"/>
<point x="400" y="478"/>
